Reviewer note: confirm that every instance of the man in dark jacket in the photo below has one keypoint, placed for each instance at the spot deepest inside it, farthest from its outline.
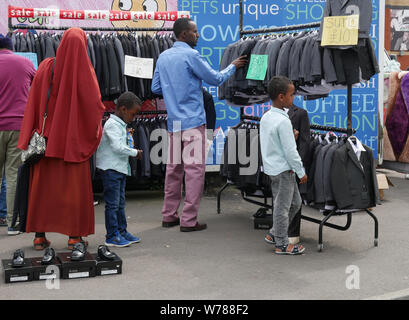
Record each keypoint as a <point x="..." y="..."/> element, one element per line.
<point x="301" y="125"/>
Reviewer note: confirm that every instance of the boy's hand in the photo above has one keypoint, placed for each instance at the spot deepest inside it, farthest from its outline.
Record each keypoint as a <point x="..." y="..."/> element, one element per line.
<point x="139" y="155"/>
<point x="296" y="133"/>
<point x="303" y="179"/>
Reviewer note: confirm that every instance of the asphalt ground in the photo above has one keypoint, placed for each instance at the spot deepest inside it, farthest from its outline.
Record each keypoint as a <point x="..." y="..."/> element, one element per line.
<point x="230" y="259"/>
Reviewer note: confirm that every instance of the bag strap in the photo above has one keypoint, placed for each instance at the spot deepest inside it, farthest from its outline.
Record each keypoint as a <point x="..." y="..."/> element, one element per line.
<point x="48" y="98"/>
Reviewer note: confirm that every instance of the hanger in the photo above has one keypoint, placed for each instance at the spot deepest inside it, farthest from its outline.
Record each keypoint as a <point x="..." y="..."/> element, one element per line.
<point x="353" y="139"/>
<point x="402" y="74"/>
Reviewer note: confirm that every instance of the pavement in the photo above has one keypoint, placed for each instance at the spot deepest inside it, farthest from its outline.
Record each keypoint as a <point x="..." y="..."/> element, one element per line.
<point x="230" y="260"/>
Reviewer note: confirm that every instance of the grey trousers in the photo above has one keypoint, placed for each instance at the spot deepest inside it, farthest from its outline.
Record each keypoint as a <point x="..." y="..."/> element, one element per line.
<point x="10" y="160"/>
<point x="287" y="202"/>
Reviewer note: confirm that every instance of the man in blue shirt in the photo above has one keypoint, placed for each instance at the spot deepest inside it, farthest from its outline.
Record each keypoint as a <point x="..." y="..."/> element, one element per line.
<point x="178" y="77"/>
<point x="281" y="162"/>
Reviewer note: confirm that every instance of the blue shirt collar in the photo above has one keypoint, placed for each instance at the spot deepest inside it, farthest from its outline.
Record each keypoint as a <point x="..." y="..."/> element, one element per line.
<point x="118" y="119"/>
<point x="181" y="44"/>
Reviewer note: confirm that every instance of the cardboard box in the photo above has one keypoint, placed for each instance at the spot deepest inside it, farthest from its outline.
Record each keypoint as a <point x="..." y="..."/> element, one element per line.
<point x="77" y="269"/>
<point x="383" y="184"/>
<point x="21" y="274"/>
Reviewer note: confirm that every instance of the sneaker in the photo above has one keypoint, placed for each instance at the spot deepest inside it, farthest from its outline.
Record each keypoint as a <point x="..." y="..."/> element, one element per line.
<point x="117" y="241"/>
<point x="3" y="222"/>
<point x="131" y="238"/>
<point x="13" y="231"/>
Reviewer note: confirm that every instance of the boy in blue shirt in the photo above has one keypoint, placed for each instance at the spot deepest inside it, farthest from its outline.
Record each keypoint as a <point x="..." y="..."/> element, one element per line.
<point x="281" y="162"/>
<point x="113" y="160"/>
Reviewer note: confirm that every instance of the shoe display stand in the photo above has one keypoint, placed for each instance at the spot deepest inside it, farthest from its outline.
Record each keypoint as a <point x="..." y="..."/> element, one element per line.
<point x="32" y="270"/>
<point x="44" y="272"/>
<point x="265" y="222"/>
<point x="104" y="267"/>
<point x="21" y="274"/>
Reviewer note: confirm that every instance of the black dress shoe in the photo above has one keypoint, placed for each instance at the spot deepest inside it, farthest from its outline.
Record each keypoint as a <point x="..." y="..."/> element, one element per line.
<point x="197" y="227"/>
<point x="18" y="259"/>
<point x="78" y="252"/>
<point x="170" y="224"/>
<point x="105" y="254"/>
<point x="49" y="256"/>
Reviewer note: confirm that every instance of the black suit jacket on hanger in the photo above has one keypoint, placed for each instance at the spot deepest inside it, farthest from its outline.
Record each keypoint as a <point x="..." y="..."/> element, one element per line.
<point x="354" y="186"/>
<point x="300" y="121"/>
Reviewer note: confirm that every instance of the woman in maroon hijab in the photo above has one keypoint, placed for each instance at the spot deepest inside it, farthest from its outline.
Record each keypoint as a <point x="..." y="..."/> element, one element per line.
<point x="60" y="192"/>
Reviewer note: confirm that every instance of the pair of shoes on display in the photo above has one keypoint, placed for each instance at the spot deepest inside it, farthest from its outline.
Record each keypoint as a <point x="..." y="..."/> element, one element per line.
<point x="18" y="259"/>
<point x="105" y="254"/>
<point x="3" y="222"/>
<point x="40" y="243"/>
<point x="13" y="231"/>
<point x="72" y="241"/>
<point x="123" y="239"/>
<point x="197" y="227"/>
<point x="171" y="223"/>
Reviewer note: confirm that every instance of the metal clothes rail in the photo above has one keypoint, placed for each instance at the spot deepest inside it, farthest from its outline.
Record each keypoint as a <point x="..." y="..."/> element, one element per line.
<point x="349" y="131"/>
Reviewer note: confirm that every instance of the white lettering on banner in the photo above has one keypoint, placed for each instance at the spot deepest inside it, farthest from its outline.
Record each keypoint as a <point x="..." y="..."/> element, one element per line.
<point x="15" y="12"/>
<point x="138" y="67"/>
<point x="71" y="14"/>
<point x="97" y="15"/>
<point x="119" y="15"/>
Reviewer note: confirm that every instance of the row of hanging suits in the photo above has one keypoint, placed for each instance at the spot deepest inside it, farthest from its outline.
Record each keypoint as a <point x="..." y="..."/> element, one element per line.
<point x="107" y="55"/>
<point x="241" y="138"/>
<point x="314" y="70"/>
<point x="147" y="167"/>
<point x="342" y="174"/>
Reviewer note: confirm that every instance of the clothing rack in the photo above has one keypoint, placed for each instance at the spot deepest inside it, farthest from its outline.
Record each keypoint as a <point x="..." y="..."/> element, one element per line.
<point x="55" y="28"/>
<point x="152" y="112"/>
<point x="349" y="131"/>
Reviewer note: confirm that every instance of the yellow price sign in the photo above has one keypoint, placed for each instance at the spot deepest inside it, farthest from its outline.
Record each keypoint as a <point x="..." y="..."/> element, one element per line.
<point x="340" y="31"/>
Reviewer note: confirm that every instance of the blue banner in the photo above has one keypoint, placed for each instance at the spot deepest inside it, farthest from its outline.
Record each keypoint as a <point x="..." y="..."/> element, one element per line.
<point x="218" y="26"/>
<point x="30" y="56"/>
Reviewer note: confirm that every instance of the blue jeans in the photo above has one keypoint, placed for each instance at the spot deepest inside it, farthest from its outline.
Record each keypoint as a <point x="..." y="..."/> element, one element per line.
<point x="114" y="197"/>
<point x="3" y="203"/>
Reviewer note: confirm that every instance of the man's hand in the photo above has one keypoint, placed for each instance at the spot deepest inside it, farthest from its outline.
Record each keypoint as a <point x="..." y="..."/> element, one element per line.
<point x="240" y="62"/>
<point x="296" y="133"/>
<point x="139" y="155"/>
<point x="303" y="179"/>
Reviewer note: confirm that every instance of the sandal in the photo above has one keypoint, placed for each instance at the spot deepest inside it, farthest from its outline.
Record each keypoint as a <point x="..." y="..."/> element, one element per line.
<point x="269" y="238"/>
<point x="73" y="240"/>
<point x="290" y="249"/>
<point x="40" y="243"/>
